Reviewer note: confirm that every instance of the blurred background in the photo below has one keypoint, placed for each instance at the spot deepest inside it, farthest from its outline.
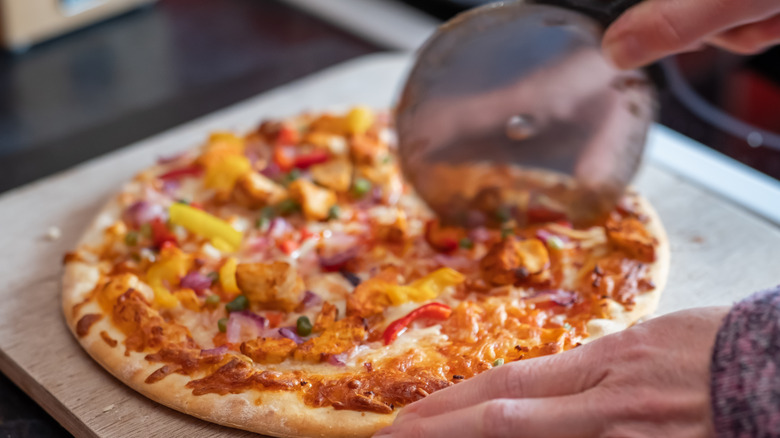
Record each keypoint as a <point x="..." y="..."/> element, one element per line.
<point x="80" y="78"/>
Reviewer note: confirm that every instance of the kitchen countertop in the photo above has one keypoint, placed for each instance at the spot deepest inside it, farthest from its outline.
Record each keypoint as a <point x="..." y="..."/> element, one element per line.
<point x="117" y="82"/>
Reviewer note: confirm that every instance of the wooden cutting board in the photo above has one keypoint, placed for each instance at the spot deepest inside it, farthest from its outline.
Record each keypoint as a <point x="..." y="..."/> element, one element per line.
<point x="720" y="253"/>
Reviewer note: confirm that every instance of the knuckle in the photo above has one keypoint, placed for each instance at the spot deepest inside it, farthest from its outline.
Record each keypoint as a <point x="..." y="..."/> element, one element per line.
<point x="498" y="417"/>
<point x="668" y="28"/>
<point x="512" y="377"/>
<point x="417" y="429"/>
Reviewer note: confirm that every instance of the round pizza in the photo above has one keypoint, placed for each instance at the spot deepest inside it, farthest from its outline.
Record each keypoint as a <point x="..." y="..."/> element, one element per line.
<point x="288" y="281"/>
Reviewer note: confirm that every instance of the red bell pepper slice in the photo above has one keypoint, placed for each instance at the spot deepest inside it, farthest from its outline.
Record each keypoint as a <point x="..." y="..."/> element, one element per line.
<point x="437" y="311"/>
<point x="284" y="157"/>
<point x="182" y="172"/>
<point x="288" y="246"/>
<point x="442" y="238"/>
<point x="161" y="235"/>
<point x="314" y="157"/>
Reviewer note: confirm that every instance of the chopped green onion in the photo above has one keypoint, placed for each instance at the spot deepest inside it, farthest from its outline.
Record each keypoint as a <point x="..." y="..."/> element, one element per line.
<point x="222" y="324"/>
<point x="183" y="201"/>
<point x="213" y="300"/>
<point x="291" y="176"/>
<point x="498" y="362"/>
<point x="360" y="187"/>
<point x="288" y="206"/>
<point x="567" y="326"/>
<point x="262" y="223"/>
<point x="503" y="214"/>
<point x="555" y="242"/>
<point x="146" y="230"/>
<point x="506" y="232"/>
<point x="387" y="158"/>
<point x="131" y="238"/>
<point x="240" y="303"/>
<point x="304" y="326"/>
<point x="214" y="276"/>
<point x="334" y="212"/>
<point x="466" y="243"/>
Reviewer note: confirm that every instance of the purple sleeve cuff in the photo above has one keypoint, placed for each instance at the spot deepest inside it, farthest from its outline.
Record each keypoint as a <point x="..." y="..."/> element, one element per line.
<point x="746" y="369"/>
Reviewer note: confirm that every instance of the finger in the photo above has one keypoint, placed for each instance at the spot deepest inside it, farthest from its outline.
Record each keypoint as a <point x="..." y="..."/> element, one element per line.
<point x="550" y="376"/>
<point x="557" y="417"/>
<point x="656" y="28"/>
<point x="750" y="38"/>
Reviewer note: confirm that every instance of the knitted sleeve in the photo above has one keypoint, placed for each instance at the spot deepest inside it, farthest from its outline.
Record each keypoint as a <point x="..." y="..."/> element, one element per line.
<point x="745" y="369"/>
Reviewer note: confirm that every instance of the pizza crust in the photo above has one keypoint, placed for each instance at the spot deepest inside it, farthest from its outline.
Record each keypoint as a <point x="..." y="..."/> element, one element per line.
<point x="646" y="303"/>
<point x="280" y="414"/>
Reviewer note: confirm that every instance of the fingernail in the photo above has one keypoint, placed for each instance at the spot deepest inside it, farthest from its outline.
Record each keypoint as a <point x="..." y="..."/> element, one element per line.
<point x="625" y="52"/>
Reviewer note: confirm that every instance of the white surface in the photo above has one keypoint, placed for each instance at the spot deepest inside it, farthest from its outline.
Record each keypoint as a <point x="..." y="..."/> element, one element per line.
<point x="401" y="27"/>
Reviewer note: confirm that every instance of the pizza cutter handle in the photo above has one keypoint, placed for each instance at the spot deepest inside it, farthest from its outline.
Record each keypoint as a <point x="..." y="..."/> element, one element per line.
<point x="603" y="11"/>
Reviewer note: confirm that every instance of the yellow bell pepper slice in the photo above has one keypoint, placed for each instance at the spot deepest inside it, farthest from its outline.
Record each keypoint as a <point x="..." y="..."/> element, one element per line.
<point x="166" y="272"/>
<point x="227" y="276"/>
<point x="425" y="288"/>
<point x="223" y="173"/>
<point x="359" y="120"/>
<point x="205" y="224"/>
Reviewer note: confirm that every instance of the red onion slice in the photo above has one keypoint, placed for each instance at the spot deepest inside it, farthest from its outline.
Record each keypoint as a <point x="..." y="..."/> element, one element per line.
<point x="143" y="212"/>
<point x="339" y="360"/>
<point x="214" y="351"/>
<point x="289" y="333"/>
<point x="259" y="321"/>
<point x="196" y="281"/>
<point x="311" y="299"/>
<point x="545" y="235"/>
<point x="240" y="326"/>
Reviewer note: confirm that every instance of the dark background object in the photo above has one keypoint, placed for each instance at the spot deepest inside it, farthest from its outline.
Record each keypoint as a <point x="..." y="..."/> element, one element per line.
<point x="747" y="88"/>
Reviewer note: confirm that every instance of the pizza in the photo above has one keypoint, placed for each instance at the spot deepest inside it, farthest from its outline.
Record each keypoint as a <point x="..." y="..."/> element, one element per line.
<point x="288" y="281"/>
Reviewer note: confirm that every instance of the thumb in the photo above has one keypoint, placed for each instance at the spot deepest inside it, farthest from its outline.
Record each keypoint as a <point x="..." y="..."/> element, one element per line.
<point x="657" y="28"/>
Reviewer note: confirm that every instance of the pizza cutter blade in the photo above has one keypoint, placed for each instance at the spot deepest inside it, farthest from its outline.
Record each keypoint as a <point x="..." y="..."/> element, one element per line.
<point x="511" y="110"/>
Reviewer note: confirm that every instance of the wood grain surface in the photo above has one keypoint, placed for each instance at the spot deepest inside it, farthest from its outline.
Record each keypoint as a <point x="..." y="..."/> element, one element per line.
<point x="719" y="254"/>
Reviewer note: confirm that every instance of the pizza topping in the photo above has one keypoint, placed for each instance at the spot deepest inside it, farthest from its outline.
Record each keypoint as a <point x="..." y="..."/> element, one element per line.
<point x="360" y="187"/>
<point x="165" y="273"/>
<point x="316" y="201"/>
<point x="254" y="190"/>
<point x="221" y="233"/>
<point x="303" y="325"/>
<point x="269" y="350"/>
<point x="436" y="311"/>
<point x="160" y="233"/>
<point x="341" y="337"/>
<point x="426" y="288"/>
<point x="326" y="317"/>
<point x="227" y="276"/>
<point x="631" y="236"/>
<point x="289" y="333"/>
<point x="238" y="304"/>
<point x="443" y="238"/>
<point x="274" y="285"/>
<point x="192" y="171"/>
<point x="243" y="325"/>
<point x="513" y="260"/>
<point x="334" y="174"/>
<point x="196" y="281"/>
<point x="142" y="212"/>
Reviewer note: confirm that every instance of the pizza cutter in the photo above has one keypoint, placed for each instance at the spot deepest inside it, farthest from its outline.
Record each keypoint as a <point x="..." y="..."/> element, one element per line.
<point x="512" y="112"/>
